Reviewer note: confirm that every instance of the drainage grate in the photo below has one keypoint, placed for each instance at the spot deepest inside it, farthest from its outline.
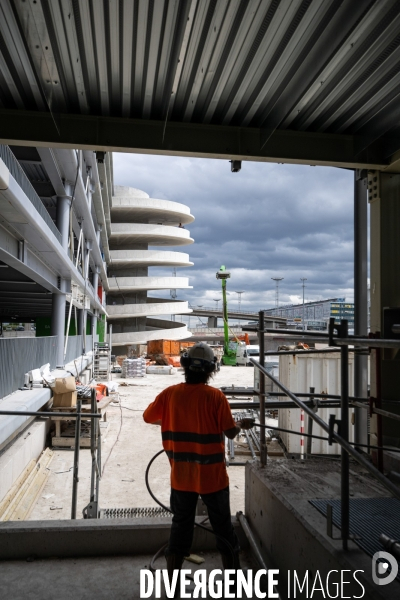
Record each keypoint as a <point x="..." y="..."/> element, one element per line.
<point x="132" y="513"/>
<point x="369" y="518"/>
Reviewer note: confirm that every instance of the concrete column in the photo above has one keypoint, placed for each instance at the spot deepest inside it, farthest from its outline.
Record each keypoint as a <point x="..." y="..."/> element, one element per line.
<point x="94" y="326"/>
<point x="80" y="321"/>
<point x="384" y="197"/>
<point x="360" y="299"/>
<point x="88" y="248"/>
<point x="212" y="322"/>
<point x="96" y="279"/>
<point x="62" y="219"/>
<point x="59" y="302"/>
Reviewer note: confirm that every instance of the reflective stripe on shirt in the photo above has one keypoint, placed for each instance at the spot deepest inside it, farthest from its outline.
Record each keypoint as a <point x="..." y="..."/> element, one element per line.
<point x="193" y="457"/>
<point x="197" y="438"/>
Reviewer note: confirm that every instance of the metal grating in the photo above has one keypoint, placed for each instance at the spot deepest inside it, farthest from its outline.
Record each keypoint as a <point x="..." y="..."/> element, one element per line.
<point x="369" y="518"/>
<point x="133" y="513"/>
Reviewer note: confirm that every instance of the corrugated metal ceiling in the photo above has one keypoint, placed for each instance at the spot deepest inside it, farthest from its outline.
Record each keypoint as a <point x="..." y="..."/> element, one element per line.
<point x="304" y="65"/>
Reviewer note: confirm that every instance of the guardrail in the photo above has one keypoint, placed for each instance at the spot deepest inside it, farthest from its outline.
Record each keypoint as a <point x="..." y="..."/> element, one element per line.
<point x="75" y="347"/>
<point x="340" y="436"/>
<point x="20" y="355"/>
<point x="91" y="511"/>
<point x="20" y="177"/>
<point x="218" y="311"/>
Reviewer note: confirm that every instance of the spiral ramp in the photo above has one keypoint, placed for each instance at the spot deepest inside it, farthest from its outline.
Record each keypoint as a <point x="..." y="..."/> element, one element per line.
<point x="137" y="222"/>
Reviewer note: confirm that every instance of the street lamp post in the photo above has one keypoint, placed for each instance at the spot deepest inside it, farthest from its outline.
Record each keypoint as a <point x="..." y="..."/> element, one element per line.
<point x="303" y="279"/>
<point x="277" y="282"/>
<point x="239" y="293"/>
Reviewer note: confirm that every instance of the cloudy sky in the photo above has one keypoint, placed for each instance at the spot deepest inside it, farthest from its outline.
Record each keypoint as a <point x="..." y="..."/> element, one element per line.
<point x="268" y="220"/>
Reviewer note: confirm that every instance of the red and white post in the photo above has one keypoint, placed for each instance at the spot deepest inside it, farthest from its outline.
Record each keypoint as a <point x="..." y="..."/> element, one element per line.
<point x="302" y="434"/>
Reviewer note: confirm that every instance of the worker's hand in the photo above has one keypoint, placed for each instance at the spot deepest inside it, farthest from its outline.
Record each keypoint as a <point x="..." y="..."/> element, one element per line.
<point x="246" y="423"/>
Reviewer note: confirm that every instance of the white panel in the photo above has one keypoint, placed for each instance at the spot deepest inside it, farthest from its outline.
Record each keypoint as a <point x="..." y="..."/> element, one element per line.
<point x="299" y="373"/>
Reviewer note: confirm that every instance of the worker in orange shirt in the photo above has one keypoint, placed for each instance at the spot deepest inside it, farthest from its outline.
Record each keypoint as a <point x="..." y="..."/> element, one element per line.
<point x="193" y="416"/>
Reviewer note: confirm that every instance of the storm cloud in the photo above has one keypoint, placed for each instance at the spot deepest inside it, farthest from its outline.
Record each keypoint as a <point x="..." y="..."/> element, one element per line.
<point x="268" y="220"/>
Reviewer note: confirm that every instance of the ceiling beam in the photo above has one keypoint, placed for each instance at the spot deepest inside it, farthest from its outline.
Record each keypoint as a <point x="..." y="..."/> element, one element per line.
<point x="185" y="139"/>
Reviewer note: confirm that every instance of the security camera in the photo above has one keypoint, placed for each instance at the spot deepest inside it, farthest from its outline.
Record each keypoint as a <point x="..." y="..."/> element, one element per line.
<point x="236" y="165"/>
<point x="100" y="155"/>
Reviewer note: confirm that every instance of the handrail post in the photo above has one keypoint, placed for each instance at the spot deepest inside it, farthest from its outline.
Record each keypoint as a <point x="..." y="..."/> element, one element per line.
<point x="344" y="432"/>
<point x="310" y="423"/>
<point x="261" y="341"/>
<point x="76" y="458"/>
<point x="93" y="431"/>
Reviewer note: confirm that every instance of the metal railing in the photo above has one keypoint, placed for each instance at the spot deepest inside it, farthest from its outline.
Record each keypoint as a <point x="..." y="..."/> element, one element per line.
<point x="20" y="177"/>
<point x="20" y="355"/>
<point x="218" y="311"/>
<point x="340" y="436"/>
<point x="91" y="511"/>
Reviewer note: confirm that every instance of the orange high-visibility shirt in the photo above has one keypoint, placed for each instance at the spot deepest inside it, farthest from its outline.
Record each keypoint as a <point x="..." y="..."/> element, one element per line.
<point x="193" y="417"/>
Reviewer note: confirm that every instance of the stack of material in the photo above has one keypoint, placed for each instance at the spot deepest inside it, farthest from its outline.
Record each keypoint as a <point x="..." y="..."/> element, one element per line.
<point x="134" y="367"/>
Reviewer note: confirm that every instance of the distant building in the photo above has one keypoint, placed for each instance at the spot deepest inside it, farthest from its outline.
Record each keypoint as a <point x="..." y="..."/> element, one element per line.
<point x="316" y="314"/>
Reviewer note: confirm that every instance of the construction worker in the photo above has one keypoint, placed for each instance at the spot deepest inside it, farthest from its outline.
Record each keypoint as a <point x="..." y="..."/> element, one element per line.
<point x="193" y="416"/>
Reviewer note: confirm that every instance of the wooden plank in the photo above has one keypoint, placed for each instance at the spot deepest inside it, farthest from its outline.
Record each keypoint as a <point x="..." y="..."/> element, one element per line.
<point x="23" y="501"/>
<point x="19" y="494"/>
<point x="12" y="492"/>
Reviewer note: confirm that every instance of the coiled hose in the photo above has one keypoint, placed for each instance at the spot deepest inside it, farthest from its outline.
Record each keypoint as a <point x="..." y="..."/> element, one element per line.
<point x="200" y="525"/>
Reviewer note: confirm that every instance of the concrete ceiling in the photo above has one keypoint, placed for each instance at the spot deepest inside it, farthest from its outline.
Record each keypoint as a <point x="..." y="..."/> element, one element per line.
<point x="303" y="81"/>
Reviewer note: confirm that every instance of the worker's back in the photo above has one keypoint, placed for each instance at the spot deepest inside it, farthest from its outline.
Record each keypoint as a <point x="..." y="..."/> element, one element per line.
<point x="193" y="418"/>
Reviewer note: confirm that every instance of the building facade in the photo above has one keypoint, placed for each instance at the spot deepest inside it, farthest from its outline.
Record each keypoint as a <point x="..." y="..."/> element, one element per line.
<point x="316" y="314"/>
<point x="141" y="229"/>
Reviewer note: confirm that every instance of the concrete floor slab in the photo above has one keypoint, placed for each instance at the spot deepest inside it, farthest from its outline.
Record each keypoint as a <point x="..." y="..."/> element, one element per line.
<point x="128" y="444"/>
<point x="104" y="578"/>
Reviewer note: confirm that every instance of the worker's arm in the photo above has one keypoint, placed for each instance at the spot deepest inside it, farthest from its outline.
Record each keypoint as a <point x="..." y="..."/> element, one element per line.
<point x="246" y="423"/>
<point x="232" y="433"/>
<point x="153" y="412"/>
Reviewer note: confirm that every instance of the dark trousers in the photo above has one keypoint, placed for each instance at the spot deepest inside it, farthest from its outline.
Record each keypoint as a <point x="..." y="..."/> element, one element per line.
<point x="183" y="506"/>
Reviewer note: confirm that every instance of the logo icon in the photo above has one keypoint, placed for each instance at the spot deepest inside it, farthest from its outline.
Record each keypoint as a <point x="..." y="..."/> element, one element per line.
<point x="385" y="571"/>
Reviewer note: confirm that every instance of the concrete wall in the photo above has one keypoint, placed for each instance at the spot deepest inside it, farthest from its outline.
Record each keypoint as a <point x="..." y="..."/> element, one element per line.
<point x="291" y="535"/>
<point x="95" y="537"/>
<point x="28" y="446"/>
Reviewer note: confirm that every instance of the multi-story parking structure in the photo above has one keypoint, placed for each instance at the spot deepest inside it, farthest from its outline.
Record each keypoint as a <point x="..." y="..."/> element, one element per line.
<point x="139" y="226"/>
<point x="54" y="206"/>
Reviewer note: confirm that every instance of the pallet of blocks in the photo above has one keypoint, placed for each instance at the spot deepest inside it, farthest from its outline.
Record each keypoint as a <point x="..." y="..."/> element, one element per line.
<point x="134" y="367"/>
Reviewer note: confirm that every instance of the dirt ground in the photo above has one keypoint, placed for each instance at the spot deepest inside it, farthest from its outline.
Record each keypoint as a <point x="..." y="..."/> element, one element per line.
<point x="128" y="444"/>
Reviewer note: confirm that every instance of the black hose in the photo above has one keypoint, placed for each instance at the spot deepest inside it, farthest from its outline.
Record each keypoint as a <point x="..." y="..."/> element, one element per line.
<point x="169" y="510"/>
